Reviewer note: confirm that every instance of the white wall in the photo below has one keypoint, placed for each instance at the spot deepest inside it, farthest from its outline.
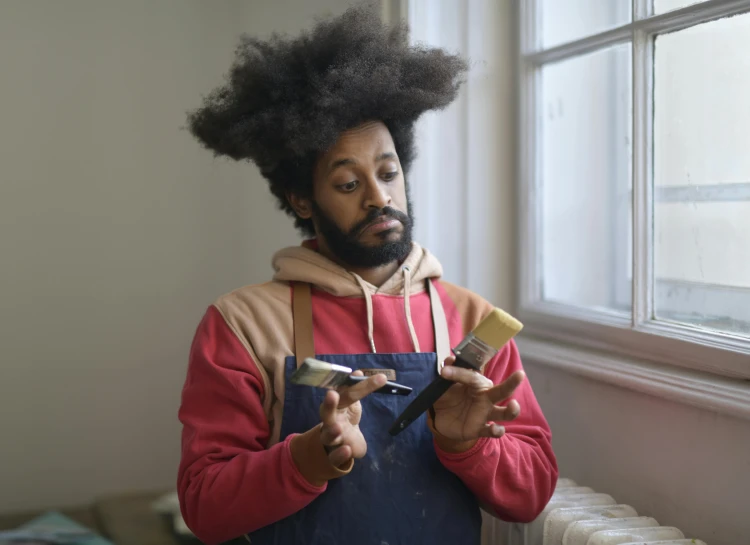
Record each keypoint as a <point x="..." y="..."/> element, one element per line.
<point x="463" y="179"/>
<point x="116" y="231"/>
<point x="687" y="467"/>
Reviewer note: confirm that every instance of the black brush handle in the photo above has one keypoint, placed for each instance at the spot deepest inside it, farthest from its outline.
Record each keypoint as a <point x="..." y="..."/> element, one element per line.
<point x="424" y="401"/>
<point x="391" y="388"/>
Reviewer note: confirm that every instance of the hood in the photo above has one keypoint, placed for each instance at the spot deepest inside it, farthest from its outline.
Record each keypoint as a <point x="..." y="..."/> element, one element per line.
<point x="304" y="264"/>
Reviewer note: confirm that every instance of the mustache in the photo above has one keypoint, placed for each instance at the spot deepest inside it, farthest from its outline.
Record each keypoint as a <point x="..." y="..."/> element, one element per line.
<point x="376" y="215"/>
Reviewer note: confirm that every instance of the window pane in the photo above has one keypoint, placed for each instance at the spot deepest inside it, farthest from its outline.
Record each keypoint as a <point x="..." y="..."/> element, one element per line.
<point x="662" y="6"/>
<point x="585" y="180"/>
<point x="567" y="20"/>
<point x="702" y="175"/>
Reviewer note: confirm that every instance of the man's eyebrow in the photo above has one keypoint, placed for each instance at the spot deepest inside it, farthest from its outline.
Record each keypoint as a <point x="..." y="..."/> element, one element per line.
<point x="341" y="163"/>
<point x="384" y="156"/>
<point x="346" y="161"/>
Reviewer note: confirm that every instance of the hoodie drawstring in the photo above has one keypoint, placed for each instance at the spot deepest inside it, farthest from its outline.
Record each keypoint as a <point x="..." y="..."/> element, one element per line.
<point x="407" y="307"/>
<point x="368" y="303"/>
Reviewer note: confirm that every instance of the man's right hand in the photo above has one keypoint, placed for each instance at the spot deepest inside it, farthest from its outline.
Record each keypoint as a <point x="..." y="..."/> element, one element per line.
<point x="328" y="450"/>
<point x="340" y="414"/>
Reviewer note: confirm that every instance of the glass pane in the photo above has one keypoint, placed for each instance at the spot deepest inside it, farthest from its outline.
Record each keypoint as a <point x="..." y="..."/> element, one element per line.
<point x="567" y="20"/>
<point x="585" y="180"/>
<point x="702" y="175"/>
<point x="662" y="6"/>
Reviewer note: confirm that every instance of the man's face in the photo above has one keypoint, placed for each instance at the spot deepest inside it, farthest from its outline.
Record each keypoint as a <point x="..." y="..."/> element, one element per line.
<point x="360" y="206"/>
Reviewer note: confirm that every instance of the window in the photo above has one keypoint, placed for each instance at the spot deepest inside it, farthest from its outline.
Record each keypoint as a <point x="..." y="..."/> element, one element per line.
<point x="635" y="177"/>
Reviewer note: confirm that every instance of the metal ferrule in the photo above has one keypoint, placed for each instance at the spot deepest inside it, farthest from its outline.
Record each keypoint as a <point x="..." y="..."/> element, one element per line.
<point x="336" y="377"/>
<point x="474" y="352"/>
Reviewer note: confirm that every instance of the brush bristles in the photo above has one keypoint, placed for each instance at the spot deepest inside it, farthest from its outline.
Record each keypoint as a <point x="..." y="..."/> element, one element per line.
<point x="311" y="377"/>
<point x="320" y="374"/>
<point x="497" y="329"/>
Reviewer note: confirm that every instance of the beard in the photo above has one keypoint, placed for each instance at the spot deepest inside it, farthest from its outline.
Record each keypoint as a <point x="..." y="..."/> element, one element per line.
<point x="346" y="246"/>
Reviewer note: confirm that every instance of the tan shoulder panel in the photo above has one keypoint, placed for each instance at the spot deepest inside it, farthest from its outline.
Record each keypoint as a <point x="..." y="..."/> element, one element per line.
<point x="471" y="307"/>
<point x="261" y="317"/>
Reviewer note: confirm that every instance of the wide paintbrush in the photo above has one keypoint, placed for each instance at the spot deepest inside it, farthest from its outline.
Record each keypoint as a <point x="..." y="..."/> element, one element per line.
<point x="475" y="350"/>
<point x="322" y="374"/>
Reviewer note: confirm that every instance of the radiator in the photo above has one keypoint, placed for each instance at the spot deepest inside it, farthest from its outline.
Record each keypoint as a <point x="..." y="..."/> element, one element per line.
<point x="578" y="515"/>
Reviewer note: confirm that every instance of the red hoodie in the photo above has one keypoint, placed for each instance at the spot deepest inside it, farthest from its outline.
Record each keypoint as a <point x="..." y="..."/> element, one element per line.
<point x="235" y="476"/>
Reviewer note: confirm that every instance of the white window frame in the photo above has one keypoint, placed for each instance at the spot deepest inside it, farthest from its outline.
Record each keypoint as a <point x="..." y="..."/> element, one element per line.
<point x="636" y="337"/>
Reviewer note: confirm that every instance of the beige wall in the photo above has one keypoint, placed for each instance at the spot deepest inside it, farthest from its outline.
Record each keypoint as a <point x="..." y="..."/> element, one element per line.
<point x="116" y="231"/>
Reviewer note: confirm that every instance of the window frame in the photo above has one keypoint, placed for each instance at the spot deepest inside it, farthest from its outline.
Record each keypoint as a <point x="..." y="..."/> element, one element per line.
<point x="635" y="336"/>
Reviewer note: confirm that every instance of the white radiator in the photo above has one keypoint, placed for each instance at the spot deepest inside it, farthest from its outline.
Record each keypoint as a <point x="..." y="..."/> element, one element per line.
<point x="578" y="515"/>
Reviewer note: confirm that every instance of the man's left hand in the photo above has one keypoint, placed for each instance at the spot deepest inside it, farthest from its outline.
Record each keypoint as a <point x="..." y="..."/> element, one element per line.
<point x="469" y="409"/>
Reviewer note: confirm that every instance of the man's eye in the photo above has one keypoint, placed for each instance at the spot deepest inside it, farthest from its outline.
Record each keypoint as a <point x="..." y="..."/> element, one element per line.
<point x="390" y="176"/>
<point x="351" y="186"/>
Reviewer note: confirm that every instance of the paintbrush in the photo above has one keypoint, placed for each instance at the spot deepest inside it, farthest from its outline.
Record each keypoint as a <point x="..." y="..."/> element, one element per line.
<point x="473" y="352"/>
<point x="322" y="374"/>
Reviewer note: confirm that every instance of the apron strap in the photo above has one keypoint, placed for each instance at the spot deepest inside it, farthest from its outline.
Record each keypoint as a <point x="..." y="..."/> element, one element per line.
<point x="440" y="324"/>
<point x="304" y="343"/>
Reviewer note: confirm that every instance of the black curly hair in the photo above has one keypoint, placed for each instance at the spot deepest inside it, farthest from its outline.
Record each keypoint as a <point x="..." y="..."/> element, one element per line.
<point x="286" y="100"/>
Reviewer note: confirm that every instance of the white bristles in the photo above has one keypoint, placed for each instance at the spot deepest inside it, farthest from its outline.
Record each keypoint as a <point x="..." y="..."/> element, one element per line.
<point x="320" y="374"/>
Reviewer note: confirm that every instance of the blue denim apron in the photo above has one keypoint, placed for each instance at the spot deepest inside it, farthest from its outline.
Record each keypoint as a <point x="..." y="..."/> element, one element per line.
<point x="399" y="493"/>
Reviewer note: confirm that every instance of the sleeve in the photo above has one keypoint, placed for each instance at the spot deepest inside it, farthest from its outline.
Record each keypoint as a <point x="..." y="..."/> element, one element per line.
<point x="228" y="483"/>
<point x="513" y="476"/>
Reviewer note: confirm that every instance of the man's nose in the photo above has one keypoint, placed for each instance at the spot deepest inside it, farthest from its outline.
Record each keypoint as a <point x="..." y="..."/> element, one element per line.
<point x="377" y="195"/>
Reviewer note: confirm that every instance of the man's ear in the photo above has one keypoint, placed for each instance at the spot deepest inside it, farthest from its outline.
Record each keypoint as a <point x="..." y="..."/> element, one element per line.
<point x="302" y="206"/>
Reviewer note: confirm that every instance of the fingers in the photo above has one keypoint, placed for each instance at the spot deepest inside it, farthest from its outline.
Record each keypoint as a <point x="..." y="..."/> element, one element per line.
<point x="351" y="395"/>
<point x="504" y="390"/>
<point x="340" y="456"/>
<point x="505" y="414"/>
<point x="332" y="431"/>
<point x="492" y="430"/>
<point x="330" y="435"/>
<point x="339" y="435"/>
<point x="468" y="377"/>
<point x="328" y="408"/>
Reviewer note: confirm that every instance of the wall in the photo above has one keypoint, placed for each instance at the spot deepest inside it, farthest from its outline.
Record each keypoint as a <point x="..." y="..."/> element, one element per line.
<point x="687" y="467"/>
<point x="463" y="179"/>
<point x="116" y="231"/>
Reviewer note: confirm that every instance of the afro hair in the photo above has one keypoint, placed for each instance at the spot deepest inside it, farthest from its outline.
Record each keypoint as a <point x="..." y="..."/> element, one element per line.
<point x="286" y="100"/>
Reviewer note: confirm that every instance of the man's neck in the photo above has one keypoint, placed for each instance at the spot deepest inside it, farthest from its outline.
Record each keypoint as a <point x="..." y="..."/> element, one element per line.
<point x="377" y="276"/>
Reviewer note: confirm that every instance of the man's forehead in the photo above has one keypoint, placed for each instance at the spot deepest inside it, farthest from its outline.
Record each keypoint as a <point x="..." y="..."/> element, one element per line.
<point x="347" y="161"/>
<point x="365" y="143"/>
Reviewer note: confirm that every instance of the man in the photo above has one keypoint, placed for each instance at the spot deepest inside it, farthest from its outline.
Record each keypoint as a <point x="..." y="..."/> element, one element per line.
<point x="328" y="118"/>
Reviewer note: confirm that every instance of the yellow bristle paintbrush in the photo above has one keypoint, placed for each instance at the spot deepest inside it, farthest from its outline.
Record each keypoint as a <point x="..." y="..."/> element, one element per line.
<point x="475" y="350"/>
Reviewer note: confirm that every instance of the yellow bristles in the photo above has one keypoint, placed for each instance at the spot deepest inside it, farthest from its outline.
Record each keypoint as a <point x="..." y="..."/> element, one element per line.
<point x="497" y="328"/>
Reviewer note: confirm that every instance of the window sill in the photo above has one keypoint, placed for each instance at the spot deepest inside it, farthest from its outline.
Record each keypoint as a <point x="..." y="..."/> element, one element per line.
<point x="670" y="346"/>
<point x="722" y="395"/>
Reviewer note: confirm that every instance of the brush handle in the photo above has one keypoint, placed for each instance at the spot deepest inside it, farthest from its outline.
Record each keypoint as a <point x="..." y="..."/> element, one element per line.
<point x="424" y="400"/>
<point x="391" y="388"/>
